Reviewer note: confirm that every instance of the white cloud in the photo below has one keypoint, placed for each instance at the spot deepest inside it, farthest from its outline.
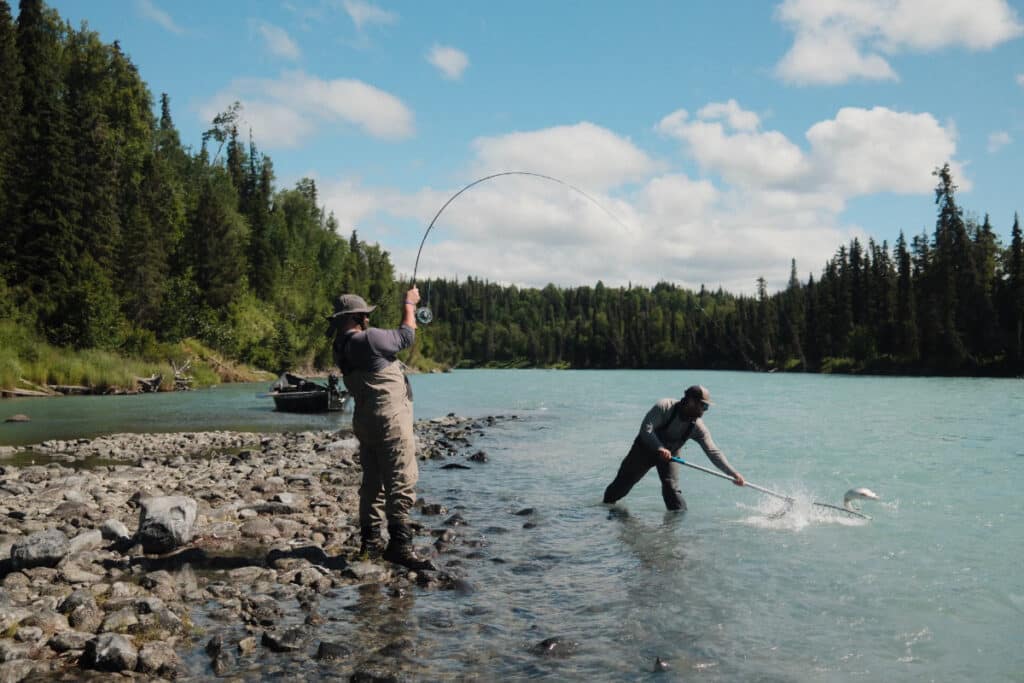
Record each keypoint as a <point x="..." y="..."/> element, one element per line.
<point x="364" y="14"/>
<point x="279" y="42"/>
<point x="591" y="155"/>
<point x="746" y="157"/>
<point x="284" y="112"/>
<point x="731" y="113"/>
<point x="865" y="151"/>
<point x="860" y="151"/>
<point x="766" y="199"/>
<point x="450" y="61"/>
<point x="1020" y="80"/>
<point x="998" y="140"/>
<point x="149" y="10"/>
<point x="839" y="40"/>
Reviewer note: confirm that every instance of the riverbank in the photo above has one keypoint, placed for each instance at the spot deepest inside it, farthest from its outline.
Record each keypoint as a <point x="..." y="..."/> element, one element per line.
<point x="192" y="554"/>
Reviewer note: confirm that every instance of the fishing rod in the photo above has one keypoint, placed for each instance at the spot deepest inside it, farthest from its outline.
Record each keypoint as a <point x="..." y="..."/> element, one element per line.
<point x="788" y="499"/>
<point x="424" y="315"/>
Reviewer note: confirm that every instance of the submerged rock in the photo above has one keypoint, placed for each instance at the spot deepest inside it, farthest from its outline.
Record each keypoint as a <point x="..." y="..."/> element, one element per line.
<point x="556" y="646"/>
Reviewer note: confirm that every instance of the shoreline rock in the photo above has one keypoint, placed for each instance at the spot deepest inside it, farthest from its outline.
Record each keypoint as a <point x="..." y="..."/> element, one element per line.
<point x="111" y="566"/>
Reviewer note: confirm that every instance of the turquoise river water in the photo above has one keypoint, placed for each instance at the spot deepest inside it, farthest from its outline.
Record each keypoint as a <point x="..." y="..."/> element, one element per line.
<point x="931" y="589"/>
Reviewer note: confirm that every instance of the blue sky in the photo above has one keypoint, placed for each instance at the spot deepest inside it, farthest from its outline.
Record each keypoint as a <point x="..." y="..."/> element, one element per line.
<point x="723" y="138"/>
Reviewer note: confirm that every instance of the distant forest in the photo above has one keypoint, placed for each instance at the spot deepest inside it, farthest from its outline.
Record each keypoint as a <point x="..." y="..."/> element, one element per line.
<point x="118" y="236"/>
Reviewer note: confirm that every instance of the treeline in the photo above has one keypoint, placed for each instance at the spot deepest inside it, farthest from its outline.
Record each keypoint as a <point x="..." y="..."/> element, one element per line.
<point x="117" y="236"/>
<point x="951" y="302"/>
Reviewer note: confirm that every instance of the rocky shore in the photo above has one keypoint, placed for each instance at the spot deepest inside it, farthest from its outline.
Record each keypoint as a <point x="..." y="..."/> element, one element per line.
<point x="126" y="554"/>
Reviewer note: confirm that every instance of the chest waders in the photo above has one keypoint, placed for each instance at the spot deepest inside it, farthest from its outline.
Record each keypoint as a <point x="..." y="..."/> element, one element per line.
<point x="382" y="421"/>
<point x="641" y="459"/>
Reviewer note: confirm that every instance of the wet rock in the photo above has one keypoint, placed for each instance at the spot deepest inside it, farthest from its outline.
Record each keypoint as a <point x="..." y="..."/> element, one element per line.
<point x="110" y="652"/>
<point x="41" y="549"/>
<point x="247" y="645"/>
<point x="166" y="523"/>
<point x="455" y="466"/>
<point x="455" y="520"/>
<point x="158" y="659"/>
<point x="289" y="640"/>
<point x="372" y="675"/>
<point x="367" y="571"/>
<point x="525" y="512"/>
<point x="18" y="418"/>
<point x="332" y="652"/>
<point x="479" y="456"/>
<point x="660" y="665"/>
<point x="215" y="645"/>
<point x="434" y="509"/>
<point x="261" y="609"/>
<point x="556" y="646"/>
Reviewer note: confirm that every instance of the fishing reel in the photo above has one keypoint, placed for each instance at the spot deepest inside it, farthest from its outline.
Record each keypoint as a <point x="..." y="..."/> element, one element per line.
<point x="424" y="316"/>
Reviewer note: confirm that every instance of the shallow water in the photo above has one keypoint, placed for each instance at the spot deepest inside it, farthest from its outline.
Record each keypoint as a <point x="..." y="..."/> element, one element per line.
<point x="929" y="589"/>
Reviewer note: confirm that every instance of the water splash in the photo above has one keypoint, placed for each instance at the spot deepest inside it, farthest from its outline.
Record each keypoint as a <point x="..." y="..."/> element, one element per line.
<point x="770" y="513"/>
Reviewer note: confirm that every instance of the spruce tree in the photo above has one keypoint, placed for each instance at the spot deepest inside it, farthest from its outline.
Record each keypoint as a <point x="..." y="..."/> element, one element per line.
<point x="10" y="129"/>
<point x="43" y="221"/>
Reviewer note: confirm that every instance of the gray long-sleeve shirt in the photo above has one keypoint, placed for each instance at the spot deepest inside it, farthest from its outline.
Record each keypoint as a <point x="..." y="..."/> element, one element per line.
<point x="375" y="349"/>
<point x="665" y="427"/>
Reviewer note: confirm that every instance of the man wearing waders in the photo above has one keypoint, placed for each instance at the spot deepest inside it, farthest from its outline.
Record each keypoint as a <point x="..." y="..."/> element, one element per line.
<point x="665" y="429"/>
<point x="382" y="422"/>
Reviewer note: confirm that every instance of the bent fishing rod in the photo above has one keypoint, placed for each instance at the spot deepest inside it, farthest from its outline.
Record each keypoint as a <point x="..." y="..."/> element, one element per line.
<point x="423" y="314"/>
<point x="769" y="492"/>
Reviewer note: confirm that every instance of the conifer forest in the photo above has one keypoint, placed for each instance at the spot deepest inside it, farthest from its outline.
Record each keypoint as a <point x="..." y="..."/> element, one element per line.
<point x="118" y="235"/>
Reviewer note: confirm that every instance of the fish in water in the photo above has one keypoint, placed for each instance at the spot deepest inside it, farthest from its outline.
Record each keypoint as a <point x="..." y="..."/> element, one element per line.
<point x="859" y="493"/>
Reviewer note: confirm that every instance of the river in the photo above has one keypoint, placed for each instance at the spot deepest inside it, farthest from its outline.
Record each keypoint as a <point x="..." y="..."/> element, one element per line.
<point x="929" y="589"/>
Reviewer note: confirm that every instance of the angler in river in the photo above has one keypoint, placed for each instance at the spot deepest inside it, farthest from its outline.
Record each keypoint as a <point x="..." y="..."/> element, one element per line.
<point x="664" y="430"/>
<point x="383" y="423"/>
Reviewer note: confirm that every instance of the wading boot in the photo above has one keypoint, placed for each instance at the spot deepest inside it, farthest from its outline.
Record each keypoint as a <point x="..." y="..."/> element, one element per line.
<point x="400" y="550"/>
<point x="371" y="543"/>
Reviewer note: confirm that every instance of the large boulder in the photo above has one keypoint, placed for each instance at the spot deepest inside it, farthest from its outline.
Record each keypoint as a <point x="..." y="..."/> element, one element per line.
<point x="166" y="523"/>
<point x="41" y="549"/>
<point x="110" y="652"/>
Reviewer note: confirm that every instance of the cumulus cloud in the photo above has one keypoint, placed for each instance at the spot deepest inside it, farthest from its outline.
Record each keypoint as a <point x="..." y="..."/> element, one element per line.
<point x="149" y="10"/>
<point x="840" y="40"/>
<point x="860" y="151"/>
<point x="761" y="200"/>
<point x="998" y="140"/>
<point x="451" y="62"/>
<point x="364" y="14"/>
<point x="591" y="155"/>
<point x="284" y="112"/>
<point x="279" y="42"/>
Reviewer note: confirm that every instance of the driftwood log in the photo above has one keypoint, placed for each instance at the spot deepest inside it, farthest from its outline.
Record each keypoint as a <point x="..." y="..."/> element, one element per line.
<point x="182" y="381"/>
<point x="149" y="384"/>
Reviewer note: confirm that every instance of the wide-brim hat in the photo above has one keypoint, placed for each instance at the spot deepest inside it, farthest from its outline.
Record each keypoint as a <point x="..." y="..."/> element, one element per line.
<point x="699" y="392"/>
<point x="348" y="304"/>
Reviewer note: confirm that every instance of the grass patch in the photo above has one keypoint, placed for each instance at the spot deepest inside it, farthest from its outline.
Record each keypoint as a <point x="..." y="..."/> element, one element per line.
<point x="27" y="361"/>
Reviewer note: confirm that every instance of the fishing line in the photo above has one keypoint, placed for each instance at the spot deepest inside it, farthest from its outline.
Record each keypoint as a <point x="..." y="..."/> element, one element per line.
<point x="423" y="314"/>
